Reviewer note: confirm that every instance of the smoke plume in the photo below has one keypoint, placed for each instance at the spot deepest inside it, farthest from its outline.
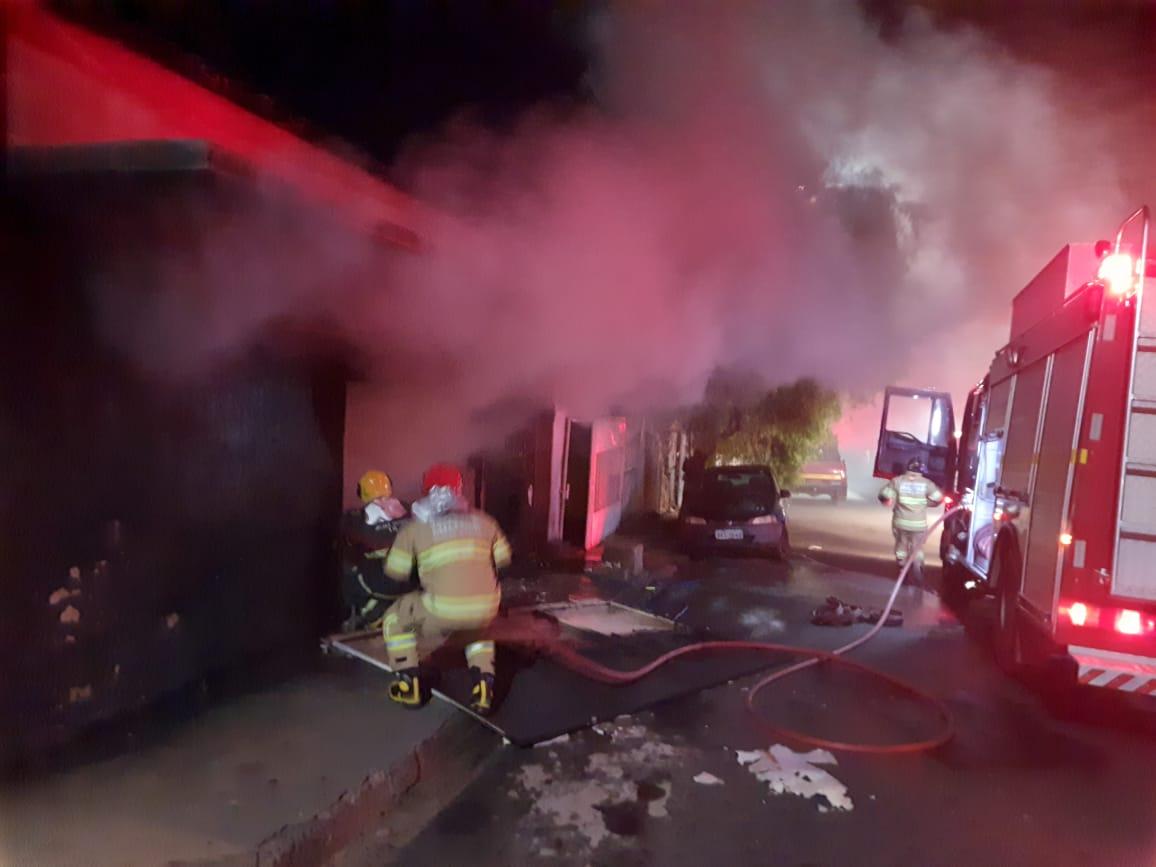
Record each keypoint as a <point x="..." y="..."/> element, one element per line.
<point x="774" y="186"/>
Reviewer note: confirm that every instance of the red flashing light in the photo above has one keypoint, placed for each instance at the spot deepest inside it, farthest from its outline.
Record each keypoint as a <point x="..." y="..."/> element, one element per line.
<point x="1118" y="272"/>
<point x="1124" y="621"/>
<point x="1081" y="614"/>
<point x="1130" y="622"/>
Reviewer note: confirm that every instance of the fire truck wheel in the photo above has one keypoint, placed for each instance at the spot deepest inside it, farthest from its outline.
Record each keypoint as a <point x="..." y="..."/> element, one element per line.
<point x="953" y="591"/>
<point x="1006" y="577"/>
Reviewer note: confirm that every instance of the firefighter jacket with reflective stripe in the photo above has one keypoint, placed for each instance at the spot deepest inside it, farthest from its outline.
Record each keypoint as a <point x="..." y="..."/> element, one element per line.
<point x="456" y="554"/>
<point x="910" y="494"/>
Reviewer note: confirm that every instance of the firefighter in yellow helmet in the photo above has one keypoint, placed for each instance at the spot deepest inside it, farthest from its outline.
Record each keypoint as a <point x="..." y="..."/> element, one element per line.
<point x="367" y="534"/>
<point x="909" y="495"/>
<point x="456" y="551"/>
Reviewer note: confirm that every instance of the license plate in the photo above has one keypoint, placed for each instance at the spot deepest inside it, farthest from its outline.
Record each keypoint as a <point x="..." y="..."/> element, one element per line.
<point x="725" y="535"/>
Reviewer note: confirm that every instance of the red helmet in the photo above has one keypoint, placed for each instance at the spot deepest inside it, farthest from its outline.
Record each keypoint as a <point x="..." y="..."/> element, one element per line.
<point x="442" y="476"/>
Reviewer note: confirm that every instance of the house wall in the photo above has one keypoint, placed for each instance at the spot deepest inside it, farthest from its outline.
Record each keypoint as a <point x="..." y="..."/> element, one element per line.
<point x="155" y="530"/>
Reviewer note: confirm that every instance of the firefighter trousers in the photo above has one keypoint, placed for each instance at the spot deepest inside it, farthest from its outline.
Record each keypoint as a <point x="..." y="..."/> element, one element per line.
<point x="412" y="632"/>
<point x="907" y="545"/>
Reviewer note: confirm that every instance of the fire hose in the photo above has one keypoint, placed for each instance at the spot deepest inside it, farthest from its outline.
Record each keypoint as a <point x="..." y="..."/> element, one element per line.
<point x="583" y="665"/>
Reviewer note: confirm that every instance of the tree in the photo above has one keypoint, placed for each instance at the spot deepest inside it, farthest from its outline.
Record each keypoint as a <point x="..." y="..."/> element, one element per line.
<point x="742" y="421"/>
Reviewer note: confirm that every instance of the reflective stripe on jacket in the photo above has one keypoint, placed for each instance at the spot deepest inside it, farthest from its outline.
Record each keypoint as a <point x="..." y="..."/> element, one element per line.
<point x="910" y="494"/>
<point x="456" y="555"/>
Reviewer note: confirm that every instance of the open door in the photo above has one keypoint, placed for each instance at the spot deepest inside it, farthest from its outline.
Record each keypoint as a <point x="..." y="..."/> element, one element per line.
<point x="982" y="535"/>
<point x="919" y="424"/>
<point x="577" y="485"/>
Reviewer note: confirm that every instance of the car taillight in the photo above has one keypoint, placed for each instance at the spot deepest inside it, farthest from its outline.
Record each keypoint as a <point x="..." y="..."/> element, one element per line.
<point x="693" y="520"/>
<point x="764" y="519"/>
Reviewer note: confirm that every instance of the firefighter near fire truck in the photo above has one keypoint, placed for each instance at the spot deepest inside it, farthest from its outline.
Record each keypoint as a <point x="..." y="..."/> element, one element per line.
<point x="909" y="496"/>
<point x="457" y="551"/>
<point x="1054" y="468"/>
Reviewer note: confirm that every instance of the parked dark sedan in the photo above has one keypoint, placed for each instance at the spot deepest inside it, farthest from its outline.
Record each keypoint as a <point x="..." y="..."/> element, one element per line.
<point x="735" y="509"/>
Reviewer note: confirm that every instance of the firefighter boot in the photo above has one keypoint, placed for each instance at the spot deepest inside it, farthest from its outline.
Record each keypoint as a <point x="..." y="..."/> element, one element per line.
<point x="482" y="695"/>
<point x="406" y="689"/>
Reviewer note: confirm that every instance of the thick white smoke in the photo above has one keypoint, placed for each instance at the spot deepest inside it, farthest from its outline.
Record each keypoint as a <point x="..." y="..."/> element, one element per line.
<point x="771" y="185"/>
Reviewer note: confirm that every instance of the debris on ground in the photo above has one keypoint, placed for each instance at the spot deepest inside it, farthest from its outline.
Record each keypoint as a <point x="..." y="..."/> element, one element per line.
<point x="762" y="622"/>
<point x="579" y="802"/>
<point x="836" y="612"/>
<point x="789" y="773"/>
<point x="561" y="739"/>
<point x="707" y="779"/>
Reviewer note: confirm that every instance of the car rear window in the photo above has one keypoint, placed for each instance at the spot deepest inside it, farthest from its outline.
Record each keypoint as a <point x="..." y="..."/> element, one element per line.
<point x="742" y="482"/>
<point x="734" y="494"/>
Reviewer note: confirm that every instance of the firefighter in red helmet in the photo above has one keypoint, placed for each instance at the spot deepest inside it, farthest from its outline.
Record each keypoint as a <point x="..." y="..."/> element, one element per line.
<point x="456" y="550"/>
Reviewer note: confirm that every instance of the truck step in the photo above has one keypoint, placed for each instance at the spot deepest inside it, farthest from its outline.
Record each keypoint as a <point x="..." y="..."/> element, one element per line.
<point x="1145" y="405"/>
<point x="1138" y="468"/>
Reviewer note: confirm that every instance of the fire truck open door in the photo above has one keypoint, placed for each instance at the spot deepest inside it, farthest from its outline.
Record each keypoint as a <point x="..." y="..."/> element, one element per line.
<point x="979" y="543"/>
<point x="917" y="423"/>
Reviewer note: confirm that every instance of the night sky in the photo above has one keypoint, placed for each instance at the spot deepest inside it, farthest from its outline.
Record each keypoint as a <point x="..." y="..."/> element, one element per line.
<point x="368" y="72"/>
<point x="371" y="74"/>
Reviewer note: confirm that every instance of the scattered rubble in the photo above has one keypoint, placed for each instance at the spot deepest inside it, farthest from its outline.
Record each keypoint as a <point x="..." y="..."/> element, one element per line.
<point x="561" y="739"/>
<point x="789" y="773"/>
<point x="584" y="801"/>
<point x="707" y="779"/>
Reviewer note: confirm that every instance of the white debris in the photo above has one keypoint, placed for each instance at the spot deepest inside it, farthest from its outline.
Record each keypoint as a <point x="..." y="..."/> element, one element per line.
<point x="788" y="772"/>
<point x="762" y="621"/>
<point x="570" y="804"/>
<point x="561" y="739"/>
<point x="707" y="779"/>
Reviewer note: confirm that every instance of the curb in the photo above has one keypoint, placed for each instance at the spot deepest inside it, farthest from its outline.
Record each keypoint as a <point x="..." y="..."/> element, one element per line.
<point x="443" y="763"/>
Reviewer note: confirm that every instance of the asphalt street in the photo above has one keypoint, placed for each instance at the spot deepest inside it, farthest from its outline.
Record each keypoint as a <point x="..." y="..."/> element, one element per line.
<point x="700" y="780"/>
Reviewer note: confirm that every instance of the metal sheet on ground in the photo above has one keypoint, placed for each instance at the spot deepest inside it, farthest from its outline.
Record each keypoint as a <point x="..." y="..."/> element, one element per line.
<point x="605" y="618"/>
<point x="540" y="699"/>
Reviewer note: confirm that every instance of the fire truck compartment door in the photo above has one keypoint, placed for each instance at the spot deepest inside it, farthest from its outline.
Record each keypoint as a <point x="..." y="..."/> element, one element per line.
<point x="916" y="423"/>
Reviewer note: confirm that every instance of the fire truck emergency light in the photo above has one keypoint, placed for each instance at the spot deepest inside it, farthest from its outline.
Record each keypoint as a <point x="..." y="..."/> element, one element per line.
<point x="1126" y="621"/>
<point x="1118" y="272"/>
<point x="1129" y="623"/>
<point x="1078" y="613"/>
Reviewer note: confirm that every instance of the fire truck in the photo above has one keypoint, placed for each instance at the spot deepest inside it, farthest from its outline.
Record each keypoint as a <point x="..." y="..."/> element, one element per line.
<point x="1055" y="467"/>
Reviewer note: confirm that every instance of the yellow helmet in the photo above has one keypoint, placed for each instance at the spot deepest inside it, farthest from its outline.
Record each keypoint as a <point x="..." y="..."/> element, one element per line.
<point x="374" y="484"/>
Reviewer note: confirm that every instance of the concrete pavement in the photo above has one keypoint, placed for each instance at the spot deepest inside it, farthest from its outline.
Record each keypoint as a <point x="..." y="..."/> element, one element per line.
<point x="280" y="768"/>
